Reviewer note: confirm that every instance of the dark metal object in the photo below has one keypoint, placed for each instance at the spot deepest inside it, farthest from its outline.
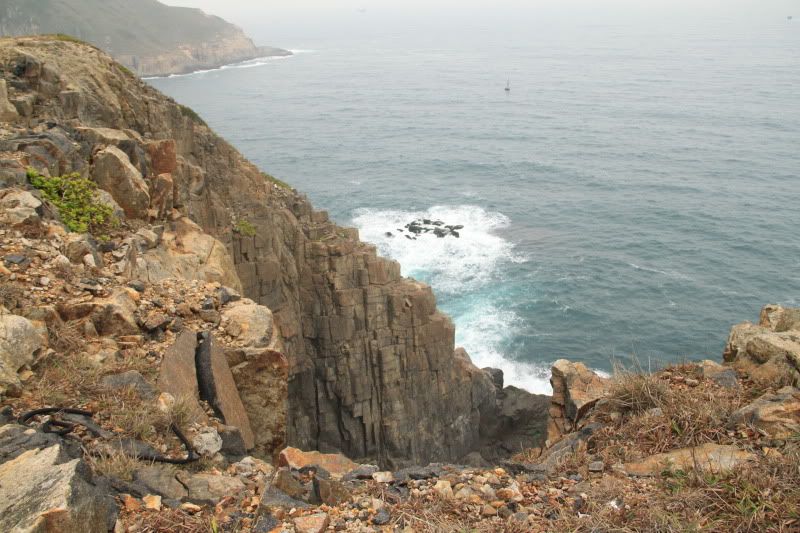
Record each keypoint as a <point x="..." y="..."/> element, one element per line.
<point x="62" y="428"/>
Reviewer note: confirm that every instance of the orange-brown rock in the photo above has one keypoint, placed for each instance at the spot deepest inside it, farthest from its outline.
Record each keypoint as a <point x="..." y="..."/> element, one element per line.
<point x="576" y="389"/>
<point x="335" y="464"/>
<point x="710" y="457"/>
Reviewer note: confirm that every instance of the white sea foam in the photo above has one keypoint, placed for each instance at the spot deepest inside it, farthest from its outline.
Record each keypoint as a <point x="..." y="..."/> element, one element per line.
<point x="458" y="267"/>
<point x="449" y="264"/>
<point x="482" y="330"/>
<point x="251" y="63"/>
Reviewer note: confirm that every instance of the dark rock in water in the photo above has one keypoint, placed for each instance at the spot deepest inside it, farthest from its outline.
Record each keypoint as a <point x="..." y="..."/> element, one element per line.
<point x="437" y="227"/>
<point x="389" y="234"/>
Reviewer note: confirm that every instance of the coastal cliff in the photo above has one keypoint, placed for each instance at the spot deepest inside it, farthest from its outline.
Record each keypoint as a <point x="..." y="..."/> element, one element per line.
<point x="186" y="344"/>
<point x="148" y="37"/>
<point x="370" y="357"/>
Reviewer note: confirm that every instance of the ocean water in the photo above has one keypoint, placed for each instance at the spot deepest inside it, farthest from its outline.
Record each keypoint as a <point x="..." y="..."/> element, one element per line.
<point x="636" y="193"/>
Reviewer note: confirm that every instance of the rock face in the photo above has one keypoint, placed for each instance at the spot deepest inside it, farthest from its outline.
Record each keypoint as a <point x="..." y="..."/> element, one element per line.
<point x="148" y="37"/>
<point x="769" y="350"/>
<point x="370" y="358"/>
<point x="48" y="494"/>
<point x="113" y="172"/>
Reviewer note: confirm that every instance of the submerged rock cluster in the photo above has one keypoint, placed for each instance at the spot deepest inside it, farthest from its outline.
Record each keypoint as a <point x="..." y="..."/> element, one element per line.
<point x="423" y="226"/>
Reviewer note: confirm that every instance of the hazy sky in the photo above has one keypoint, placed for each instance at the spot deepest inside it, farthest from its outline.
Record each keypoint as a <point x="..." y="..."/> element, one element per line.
<point x="295" y="21"/>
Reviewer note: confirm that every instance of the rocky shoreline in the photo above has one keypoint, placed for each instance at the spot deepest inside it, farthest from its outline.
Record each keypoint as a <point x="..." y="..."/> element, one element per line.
<point x="186" y="344"/>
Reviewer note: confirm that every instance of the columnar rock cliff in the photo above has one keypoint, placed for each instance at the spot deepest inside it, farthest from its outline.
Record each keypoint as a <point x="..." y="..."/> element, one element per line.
<point x="148" y="37"/>
<point x="373" y="367"/>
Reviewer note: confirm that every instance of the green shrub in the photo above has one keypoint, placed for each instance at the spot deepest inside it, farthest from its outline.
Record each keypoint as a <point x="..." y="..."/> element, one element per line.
<point x="276" y="181"/>
<point x="190" y="113"/>
<point x="246" y="228"/>
<point x="74" y="197"/>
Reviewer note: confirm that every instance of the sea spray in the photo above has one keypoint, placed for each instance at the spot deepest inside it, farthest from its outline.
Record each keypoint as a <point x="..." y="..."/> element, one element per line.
<point x="465" y="272"/>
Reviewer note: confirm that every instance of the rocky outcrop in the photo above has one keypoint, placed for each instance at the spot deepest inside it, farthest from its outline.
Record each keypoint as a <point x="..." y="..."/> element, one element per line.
<point x="19" y="343"/>
<point x="369" y="355"/>
<point x="778" y="414"/>
<point x="576" y="389"/>
<point x="148" y="37"/>
<point x="770" y="350"/>
<point x="43" y="490"/>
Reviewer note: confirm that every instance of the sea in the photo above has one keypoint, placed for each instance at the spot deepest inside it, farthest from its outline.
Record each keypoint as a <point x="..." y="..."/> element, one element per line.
<point x="634" y="195"/>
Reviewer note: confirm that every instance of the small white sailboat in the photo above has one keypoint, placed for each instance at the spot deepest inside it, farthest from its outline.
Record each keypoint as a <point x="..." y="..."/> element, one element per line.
<point x="508" y="86"/>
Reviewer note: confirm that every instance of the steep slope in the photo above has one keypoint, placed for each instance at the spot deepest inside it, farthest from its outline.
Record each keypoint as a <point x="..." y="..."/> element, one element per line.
<point x="147" y="36"/>
<point x="373" y="371"/>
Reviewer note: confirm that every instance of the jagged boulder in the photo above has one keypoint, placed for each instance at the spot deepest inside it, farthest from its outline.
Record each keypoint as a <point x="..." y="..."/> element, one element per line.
<point x="770" y="350"/>
<point x="576" y="389"/>
<point x="261" y="377"/>
<point x="250" y="324"/>
<point x="186" y="251"/>
<point x="113" y="171"/>
<point x="19" y="342"/>
<point x="218" y="388"/>
<point x="335" y="464"/>
<point x="709" y="457"/>
<point x="18" y="207"/>
<point x="114" y="315"/>
<point x="777" y="414"/>
<point x="178" y="374"/>
<point x="40" y="492"/>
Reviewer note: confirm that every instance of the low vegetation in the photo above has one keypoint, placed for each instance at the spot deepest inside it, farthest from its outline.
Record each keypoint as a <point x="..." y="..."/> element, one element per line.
<point x="245" y="227"/>
<point x="191" y="114"/>
<point x="276" y="181"/>
<point x="75" y="198"/>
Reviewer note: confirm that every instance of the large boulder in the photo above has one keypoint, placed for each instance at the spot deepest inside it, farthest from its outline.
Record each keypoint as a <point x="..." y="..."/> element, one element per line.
<point x="576" y="389"/>
<point x="18" y="207"/>
<point x="250" y="324"/>
<point x="186" y="251"/>
<point x="114" y="315"/>
<point x="261" y="377"/>
<point x="710" y="457"/>
<point x="113" y="171"/>
<point x="19" y="342"/>
<point x="335" y="464"/>
<point x="218" y="388"/>
<point x="770" y="350"/>
<point x="178" y="374"/>
<point x="41" y="493"/>
<point x="778" y="414"/>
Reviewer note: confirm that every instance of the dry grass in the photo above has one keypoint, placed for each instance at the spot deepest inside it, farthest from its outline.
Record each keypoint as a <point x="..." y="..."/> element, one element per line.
<point x="172" y="521"/>
<point x="658" y="417"/>
<point x="761" y="497"/>
<point x="114" y="463"/>
<point x="66" y="337"/>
